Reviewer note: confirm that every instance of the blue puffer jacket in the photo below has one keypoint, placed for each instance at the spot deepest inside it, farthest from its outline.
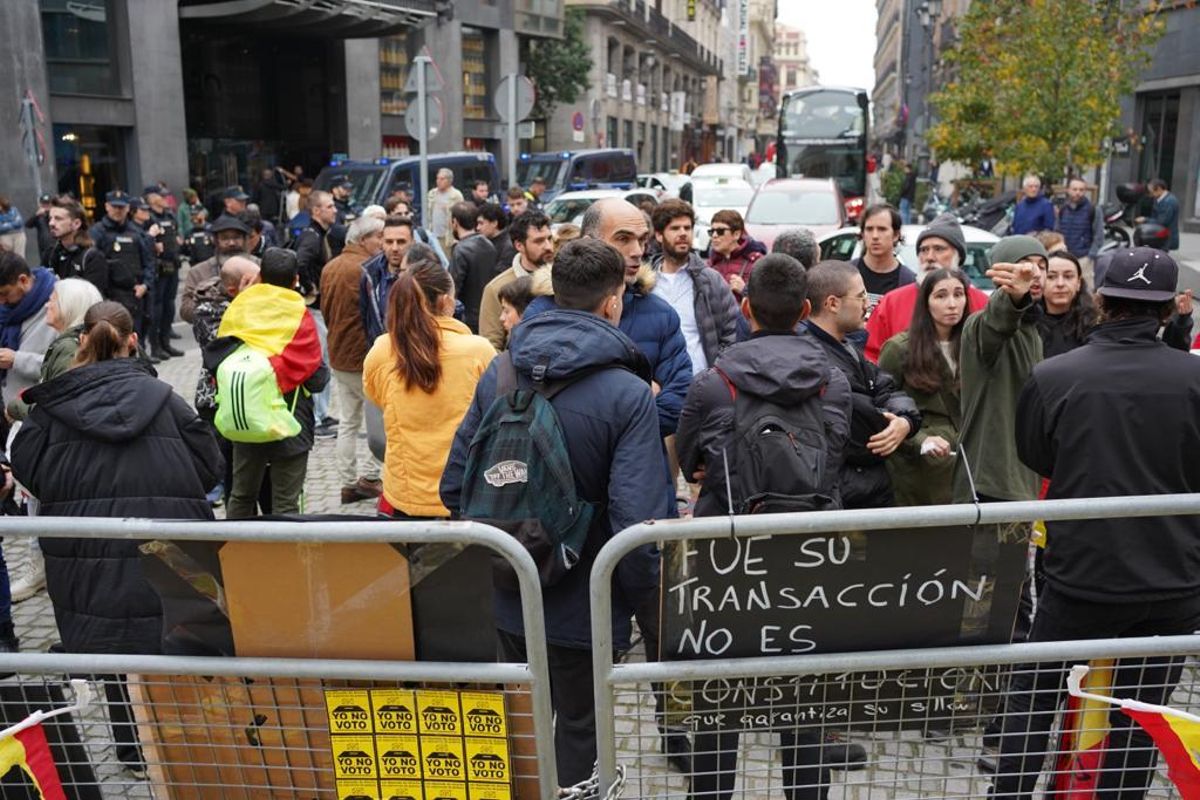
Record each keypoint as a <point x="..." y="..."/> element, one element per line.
<point x="654" y="327"/>
<point x="611" y="430"/>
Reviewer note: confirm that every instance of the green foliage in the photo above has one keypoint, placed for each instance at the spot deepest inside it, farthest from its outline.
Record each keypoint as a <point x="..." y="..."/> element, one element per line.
<point x="1037" y="84"/>
<point x="559" y="68"/>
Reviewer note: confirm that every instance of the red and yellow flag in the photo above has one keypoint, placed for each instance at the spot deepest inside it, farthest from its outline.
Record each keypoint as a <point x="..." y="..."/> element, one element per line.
<point x="275" y="321"/>
<point x="29" y="750"/>
<point x="1176" y="733"/>
<point x="1084" y="736"/>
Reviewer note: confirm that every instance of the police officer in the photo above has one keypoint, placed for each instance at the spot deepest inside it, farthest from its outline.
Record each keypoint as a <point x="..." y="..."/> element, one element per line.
<point x="198" y="245"/>
<point x="130" y="254"/>
<point x="168" y="243"/>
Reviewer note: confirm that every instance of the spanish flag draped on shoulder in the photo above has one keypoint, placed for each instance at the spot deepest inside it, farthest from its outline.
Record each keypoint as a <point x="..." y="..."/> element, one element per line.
<point x="28" y="750"/>
<point x="1177" y="733"/>
<point x="275" y="321"/>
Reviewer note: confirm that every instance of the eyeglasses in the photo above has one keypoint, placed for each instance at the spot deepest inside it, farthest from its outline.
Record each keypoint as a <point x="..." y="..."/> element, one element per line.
<point x="720" y="231"/>
<point x="935" y="249"/>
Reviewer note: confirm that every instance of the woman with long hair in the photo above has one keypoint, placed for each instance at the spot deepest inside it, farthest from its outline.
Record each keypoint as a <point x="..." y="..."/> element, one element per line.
<point x="422" y="375"/>
<point x="924" y="362"/>
<point x="108" y="439"/>
<point x="1068" y="311"/>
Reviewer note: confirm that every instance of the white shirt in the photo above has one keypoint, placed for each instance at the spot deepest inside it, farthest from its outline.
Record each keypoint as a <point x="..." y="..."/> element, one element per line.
<point x="679" y="291"/>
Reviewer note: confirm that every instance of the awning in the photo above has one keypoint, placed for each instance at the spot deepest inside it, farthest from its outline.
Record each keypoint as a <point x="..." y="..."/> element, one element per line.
<point x="334" y="19"/>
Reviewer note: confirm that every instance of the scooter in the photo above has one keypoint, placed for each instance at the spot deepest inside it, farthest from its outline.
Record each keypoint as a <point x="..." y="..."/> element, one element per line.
<point x="1118" y="217"/>
<point x="1151" y="234"/>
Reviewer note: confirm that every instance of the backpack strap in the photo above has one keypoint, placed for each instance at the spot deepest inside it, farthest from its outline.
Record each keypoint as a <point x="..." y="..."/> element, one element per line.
<point x="728" y="383"/>
<point x="506" y="375"/>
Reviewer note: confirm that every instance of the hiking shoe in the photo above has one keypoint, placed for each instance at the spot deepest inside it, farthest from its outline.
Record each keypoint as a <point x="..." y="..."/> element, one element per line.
<point x="328" y="429"/>
<point x="30" y="578"/>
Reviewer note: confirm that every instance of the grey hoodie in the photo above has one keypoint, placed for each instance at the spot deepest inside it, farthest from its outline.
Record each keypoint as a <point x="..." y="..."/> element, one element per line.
<point x="782" y="367"/>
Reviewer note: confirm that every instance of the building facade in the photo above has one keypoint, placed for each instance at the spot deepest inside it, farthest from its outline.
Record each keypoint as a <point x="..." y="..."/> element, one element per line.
<point x="791" y="59"/>
<point x="649" y="83"/>
<point x="889" y="117"/>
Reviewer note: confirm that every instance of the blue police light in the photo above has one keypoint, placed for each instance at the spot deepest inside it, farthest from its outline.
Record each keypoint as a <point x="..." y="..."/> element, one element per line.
<point x="335" y="163"/>
<point x="383" y="162"/>
<point x="524" y="156"/>
<point x="566" y="154"/>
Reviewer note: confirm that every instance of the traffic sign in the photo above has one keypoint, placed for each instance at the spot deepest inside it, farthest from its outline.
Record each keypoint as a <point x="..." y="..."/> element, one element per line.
<point x="577" y="121"/>
<point x="525" y="97"/>
<point x="433" y="117"/>
<point x="433" y="79"/>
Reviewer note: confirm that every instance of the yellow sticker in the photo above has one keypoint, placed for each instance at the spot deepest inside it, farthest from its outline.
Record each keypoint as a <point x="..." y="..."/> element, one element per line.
<point x="438" y="713"/>
<point x="349" y="710"/>
<point x="353" y="757"/>
<point x="395" y="710"/>
<point x="442" y="759"/>
<point x="441" y="790"/>
<point x="491" y="791"/>
<point x="487" y="760"/>
<point x="401" y="790"/>
<point x="483" y="714"/>
<point x="399" y="757"/>
<point x="357" y="790"/>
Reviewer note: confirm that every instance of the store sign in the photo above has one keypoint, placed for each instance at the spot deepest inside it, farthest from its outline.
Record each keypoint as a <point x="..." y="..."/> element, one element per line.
<point x="743" y="41"/>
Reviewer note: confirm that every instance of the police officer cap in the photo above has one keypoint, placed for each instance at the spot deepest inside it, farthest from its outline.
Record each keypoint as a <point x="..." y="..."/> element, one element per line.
<point x="135" y="203"/>
<point x="236" y="193"/>
<point x="225" y="222"/>
<point x="149" y="190"/>
<point x="343" y="182"/>
<point x="116" y="198"/>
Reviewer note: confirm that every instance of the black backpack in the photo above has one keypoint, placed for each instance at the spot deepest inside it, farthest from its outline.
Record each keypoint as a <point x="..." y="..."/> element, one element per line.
<point x="775" y="461"/>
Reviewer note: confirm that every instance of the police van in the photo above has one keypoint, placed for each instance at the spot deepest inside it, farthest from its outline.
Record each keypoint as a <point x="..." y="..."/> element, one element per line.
<point x="576" y="170"/>
<point x="375" y="181"/>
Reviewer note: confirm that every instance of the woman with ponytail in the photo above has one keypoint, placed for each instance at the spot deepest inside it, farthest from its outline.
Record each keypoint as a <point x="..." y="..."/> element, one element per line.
<point x="422" y="374"/>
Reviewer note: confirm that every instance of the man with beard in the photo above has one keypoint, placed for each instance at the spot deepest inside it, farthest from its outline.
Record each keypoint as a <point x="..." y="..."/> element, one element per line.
<point x="530" y="234"/>
<point x="72" y="255"/>
<point x="231" y="235"/>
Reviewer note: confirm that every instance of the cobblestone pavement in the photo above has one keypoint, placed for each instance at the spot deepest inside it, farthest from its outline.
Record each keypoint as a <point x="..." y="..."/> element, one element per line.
<point x="901" y="766"/>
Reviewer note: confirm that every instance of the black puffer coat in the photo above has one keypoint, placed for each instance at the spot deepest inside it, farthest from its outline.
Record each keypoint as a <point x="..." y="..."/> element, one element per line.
<point x="110" y="440"/>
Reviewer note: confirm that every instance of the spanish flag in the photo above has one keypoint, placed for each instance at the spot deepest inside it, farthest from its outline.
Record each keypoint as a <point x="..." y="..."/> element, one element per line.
<point x="29" y="750"/>
<point x="1084" y="737"/>
<point x="1176" y="733"/>
<point x="275" y="321"/>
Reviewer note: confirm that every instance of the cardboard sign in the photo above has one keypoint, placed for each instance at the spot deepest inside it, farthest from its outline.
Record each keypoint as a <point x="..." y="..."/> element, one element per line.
<point x="483" y="714"/>
<point x="442" y="758"/>
<point x="487" y="761"/>
<point x="838" y="592"/>
<point x="349" y="711"/>
<point x="399" y="757"/>
<point x="438" y="713"/>
<point x="354" y="757"/>
<point x="394" y="710"/>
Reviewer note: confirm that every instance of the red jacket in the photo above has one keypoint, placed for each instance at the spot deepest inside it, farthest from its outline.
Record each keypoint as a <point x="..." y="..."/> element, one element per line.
<point x="740" y="261"/>
<point x="894" y="313"/>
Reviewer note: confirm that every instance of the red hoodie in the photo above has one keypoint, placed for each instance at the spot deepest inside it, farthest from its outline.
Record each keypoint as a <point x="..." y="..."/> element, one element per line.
<point x="739" y="262"/>
<point x="894" y="313"/>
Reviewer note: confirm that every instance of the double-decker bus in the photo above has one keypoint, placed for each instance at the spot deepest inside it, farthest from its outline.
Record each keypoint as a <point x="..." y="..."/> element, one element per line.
<point x="823" y="134"/>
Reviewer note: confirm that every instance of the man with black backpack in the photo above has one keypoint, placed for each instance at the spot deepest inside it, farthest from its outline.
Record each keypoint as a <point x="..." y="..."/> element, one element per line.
<point x="740" y="424"/>
<point x="605" y="428"/>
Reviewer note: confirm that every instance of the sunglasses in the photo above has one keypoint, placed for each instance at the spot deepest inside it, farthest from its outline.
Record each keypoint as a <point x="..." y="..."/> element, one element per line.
<point x="720" y="231"/>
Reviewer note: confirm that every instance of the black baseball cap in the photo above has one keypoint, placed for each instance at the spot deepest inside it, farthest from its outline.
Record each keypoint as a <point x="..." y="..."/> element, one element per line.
<point x="1142" y="273"/>
<point x="116" y="198"/>
<point x="46" y="198"/>
<point x="226" y="222"/>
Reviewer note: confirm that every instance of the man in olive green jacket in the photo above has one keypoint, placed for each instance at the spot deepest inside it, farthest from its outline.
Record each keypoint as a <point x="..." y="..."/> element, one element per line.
<point x="1000" y="347"/>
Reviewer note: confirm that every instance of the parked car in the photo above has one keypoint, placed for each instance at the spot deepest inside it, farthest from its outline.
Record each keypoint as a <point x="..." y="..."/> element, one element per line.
<point x="577" y="170"/>
<point x="711" y="196"/>
<point x="569" y="206"/>
<point x="667" y="184"/>
<point x="375" y="181"/>
<point x="845" y="244"/>
<point x="784" y="203"/>
<point x="711" y="171"/>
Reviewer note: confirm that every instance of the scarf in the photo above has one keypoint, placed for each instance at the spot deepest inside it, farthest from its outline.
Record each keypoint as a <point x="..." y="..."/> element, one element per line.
<point x="12" y="317"/>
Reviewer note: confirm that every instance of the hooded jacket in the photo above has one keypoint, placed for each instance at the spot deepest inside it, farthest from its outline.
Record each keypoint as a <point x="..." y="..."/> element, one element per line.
<point x="110" y="440"/>
<point x="894" y="314"/>
<point x="654" y="327"/>
<point x="340" y="298"/>
<point x="865" y="482"/>
<point x="1112" y="418"/>
<point x="741" y="260"/>
<point x="611" y="430"/>
<point x="783" y="368"/>
<point x="715" y="307"/>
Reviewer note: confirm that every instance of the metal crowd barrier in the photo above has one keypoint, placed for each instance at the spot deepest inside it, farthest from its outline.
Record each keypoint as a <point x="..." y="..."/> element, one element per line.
<point x="769" y="726"/>
<point x="260" y="727"/>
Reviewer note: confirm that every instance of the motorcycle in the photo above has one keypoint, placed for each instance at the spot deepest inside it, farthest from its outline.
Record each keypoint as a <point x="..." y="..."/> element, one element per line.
<point x="1151" y="234"/>
<point x="1119" y="216"/>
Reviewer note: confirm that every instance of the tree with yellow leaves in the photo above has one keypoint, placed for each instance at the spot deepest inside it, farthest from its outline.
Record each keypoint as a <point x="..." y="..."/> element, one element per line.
<point x="1037" y="84"/>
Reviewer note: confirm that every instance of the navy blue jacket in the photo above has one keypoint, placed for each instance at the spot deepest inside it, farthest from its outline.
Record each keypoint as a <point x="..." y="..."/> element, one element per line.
<point x="654" y="327"/>
<point x="106" y="230"/>
<point x="611" y="430"/>
<point x="1031" y="216"/>
<point x="1082" y="227"/>
<point x="1166" y="213"/>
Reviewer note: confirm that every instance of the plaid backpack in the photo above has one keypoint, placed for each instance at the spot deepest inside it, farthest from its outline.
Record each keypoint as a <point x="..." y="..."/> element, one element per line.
<point x="518" y="476"/>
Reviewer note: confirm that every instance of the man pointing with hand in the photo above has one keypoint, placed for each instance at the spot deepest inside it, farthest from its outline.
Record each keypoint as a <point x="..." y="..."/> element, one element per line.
<point x="1000" y="347"/>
